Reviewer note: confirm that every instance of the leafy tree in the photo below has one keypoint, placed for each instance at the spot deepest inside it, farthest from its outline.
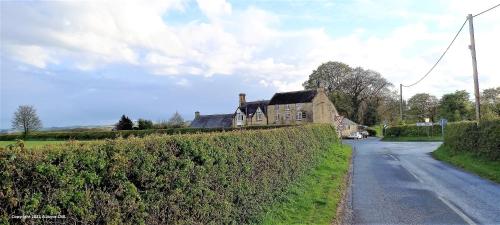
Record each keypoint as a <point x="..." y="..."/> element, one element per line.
<point x="490" y="103"/>
<point x="124" y="123"/>
<point x="144" y="124"/>
<point x="355" y="88"/>
<point x="422" y="106"/>
<point x="455" y="106"/>
<point x="26" y="119"/>
<point x="176" y="120"/>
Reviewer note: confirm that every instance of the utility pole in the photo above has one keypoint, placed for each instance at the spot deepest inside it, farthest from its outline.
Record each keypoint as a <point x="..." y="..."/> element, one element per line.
<point x="472" y="48"/>
<point x="401" y="101"/>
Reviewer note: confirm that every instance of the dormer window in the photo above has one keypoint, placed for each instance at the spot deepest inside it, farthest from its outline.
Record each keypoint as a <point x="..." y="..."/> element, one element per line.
<point x="287" y="107"/>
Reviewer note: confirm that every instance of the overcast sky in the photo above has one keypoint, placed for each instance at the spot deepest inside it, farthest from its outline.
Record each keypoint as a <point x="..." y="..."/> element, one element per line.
<point x="89" y="62"/>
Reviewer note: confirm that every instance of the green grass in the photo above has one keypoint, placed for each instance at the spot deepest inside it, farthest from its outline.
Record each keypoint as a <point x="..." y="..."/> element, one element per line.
<point x="482" y="167"/>
<point x="431" y="138"/>
<point x="315" y="197"/>
<point x="30" y="144"/>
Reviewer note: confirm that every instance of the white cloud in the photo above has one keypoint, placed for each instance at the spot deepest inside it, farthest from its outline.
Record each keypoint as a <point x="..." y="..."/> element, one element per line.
<point x="249" y="42"/>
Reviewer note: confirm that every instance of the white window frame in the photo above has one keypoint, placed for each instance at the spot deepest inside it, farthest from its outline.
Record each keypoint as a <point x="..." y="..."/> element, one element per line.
<point x="298" y="116"/>
<point x="298" y="106"/>
<point x="288" y="115"/>
<point x="259" y="114"/>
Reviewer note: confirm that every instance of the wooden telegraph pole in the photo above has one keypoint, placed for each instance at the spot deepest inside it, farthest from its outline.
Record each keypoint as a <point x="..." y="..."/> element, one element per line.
<point x="472" y="48"/>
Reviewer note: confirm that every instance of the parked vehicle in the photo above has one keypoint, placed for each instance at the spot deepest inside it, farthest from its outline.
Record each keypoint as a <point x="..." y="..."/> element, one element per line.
<point x="365" y="134"/>
<point x="355" y="135"/>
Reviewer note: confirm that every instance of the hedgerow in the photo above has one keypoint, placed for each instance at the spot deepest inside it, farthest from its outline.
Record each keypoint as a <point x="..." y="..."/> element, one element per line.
<point x="482" y="140"/>
<point x="412" y="131"/>
<point x="210" y="178"/>
<point x="97" y="135"/>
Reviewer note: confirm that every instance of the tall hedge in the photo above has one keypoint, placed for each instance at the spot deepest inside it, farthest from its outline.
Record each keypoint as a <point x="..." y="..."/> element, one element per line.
<point x="211" y="178"/>
<point x="412" y="131"/>
<point x="97" y="135"/>
<point x="482" y="140"/>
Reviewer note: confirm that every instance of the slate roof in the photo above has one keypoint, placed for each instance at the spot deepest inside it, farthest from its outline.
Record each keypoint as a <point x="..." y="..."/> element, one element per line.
<point x="346" y="121"/>
<point x="213" y="121"/>
<point x="293" y="97"/>
<point x="251" y="107"/>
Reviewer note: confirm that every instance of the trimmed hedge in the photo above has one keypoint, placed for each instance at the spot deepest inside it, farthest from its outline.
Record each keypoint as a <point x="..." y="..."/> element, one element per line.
<point x="210" y="178"/>
<point x="412" y="131"/>
<point x="97" y="135"/>
<point x="482" y="140"/>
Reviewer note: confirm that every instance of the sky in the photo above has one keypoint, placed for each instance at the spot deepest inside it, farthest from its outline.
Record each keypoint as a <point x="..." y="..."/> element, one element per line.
<point x="89" y="62"/>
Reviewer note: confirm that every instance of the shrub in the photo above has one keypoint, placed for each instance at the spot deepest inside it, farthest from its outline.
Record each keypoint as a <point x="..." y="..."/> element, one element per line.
<point x="482" y="140"/>
<point x="211" y="178"/>
<point x="412" y="131"/>
<point x="371" y="131"/>
<point x="97" y="135"/>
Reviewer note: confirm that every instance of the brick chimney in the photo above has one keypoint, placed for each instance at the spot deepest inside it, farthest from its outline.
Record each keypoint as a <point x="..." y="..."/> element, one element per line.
<point x="196" y="115"/>
<point x="242" y="99"/>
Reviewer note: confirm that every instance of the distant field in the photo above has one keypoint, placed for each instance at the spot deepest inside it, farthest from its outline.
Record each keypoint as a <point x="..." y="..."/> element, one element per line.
<point x="31" y="144"/>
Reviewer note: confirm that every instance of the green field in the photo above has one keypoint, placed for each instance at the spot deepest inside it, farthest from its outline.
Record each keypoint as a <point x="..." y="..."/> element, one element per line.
<point x="482" y="167"/>
<point x="424" y="138"/>
<point x="30" y="144"/>
<point x="315" y="198"/>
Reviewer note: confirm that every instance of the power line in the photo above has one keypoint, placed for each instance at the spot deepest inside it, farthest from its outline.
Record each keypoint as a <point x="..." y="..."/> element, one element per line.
<point x="487" y="10"/>
<point x="442" y="55"/>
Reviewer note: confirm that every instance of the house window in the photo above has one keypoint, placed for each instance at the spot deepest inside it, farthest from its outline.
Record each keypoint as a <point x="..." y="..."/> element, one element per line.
<point x="299" y="115"/>
<point x="277" y="117"/>
<point x="277" y="107"/>
<point x="287" y="115"/>
<point x="239" y="119"/>
<point x="287" y="107"/>
<point x="298" y="106"/>
<point x="259" y="115"/>
<point x="304" y="115"/>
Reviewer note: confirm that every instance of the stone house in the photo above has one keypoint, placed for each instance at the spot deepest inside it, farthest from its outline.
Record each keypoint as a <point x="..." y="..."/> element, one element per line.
<point x="348" y="127"/>
<point x="300" y="107"/>
<point x="250" y="113"/>
<point x="286" y="108"/>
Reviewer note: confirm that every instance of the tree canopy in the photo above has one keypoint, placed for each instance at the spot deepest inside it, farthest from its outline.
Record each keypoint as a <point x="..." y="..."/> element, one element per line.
<point x="26" y="119"/>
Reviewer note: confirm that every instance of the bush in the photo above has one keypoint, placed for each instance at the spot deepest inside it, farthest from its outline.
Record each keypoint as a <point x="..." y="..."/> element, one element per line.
<point x="412" y="131"/>
<point x="372" y="132"/>
<point x="482" y="140"/>
<point x="97" y="135"/>
<point x="212" y="178"/>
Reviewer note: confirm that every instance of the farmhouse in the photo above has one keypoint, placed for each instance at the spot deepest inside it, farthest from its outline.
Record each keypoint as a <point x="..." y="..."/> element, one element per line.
<point x="285" y="108"/>
<point x="300" y="107"/>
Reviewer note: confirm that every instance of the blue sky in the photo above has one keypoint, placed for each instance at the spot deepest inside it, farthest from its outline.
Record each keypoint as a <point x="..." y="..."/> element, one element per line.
<point x="89" y="62"/>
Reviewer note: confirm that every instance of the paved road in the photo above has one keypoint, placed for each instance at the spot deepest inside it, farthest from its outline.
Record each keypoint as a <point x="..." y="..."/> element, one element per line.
<point x="400" y="183"/>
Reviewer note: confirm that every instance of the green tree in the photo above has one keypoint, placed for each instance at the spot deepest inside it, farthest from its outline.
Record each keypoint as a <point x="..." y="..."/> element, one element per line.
<point x="144" y="124"/>
<point x="176" y="120"/>
<point x="124" y="123"/>
<point x="421" y="106"/>
<point x="26" y="119"/>
<point x="455" y="106"/>
<point x="490" y="103"/>
<point x="354" y="88"/>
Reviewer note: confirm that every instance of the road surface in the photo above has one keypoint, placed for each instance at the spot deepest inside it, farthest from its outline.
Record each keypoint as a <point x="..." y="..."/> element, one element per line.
<point x="400" y="183"/>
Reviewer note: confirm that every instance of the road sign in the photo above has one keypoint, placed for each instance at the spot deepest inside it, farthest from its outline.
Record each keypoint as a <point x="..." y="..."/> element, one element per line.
<point x="443" y="122"/>
<point x="424" y="124"/>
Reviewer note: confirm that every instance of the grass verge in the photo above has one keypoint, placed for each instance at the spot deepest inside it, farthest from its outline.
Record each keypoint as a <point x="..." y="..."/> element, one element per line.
<point x="482" y="167"/>
<point x="314" y="199"/>
<point x="425" y="138"/>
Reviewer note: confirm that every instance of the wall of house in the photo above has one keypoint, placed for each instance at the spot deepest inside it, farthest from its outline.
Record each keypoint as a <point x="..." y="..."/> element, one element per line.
<point x="349" y="129"/>
<point x="252" y="121"/>
<point x="235" y="118"/>
<point x="323" y="109"/>
<point x="304" y="107"/>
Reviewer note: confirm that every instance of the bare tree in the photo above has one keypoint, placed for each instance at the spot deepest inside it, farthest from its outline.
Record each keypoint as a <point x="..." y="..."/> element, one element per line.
<point x="26" y="119"/>
<point x="176" y="120"/>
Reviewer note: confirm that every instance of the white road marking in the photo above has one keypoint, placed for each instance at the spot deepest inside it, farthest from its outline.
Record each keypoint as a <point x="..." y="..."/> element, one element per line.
<point x="457" y="211"/>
